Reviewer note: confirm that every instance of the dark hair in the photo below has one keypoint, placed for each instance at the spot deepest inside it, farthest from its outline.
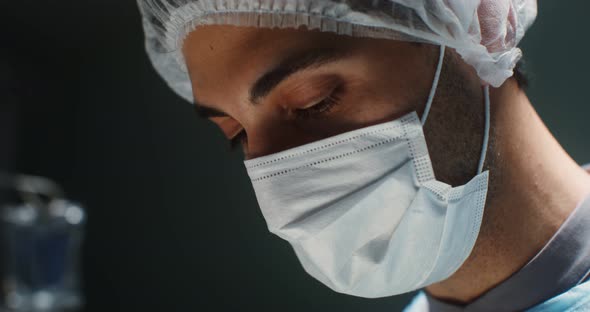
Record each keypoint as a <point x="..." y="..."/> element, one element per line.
<point x="520" y="74"/>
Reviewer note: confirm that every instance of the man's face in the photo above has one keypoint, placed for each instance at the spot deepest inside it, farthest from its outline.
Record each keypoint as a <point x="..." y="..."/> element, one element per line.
<point x="284" y="88"/>
<point x="277" y="89"/>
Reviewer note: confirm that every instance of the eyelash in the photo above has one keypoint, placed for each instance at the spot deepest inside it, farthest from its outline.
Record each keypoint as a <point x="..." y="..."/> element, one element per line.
<point x="318" y="110"/>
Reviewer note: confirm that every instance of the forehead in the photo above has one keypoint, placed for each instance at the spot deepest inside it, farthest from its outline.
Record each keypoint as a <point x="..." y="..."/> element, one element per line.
<point x="222" y="56"/>
<point x="224" y="61"/>
<point x="238" y="46"/>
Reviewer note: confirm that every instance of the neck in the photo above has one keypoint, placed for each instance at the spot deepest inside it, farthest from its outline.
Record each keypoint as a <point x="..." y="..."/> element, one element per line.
<point x="534" y="186"/>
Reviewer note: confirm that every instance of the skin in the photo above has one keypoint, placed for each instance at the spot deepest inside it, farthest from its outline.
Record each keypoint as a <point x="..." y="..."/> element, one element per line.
<point x="534" y="184"/>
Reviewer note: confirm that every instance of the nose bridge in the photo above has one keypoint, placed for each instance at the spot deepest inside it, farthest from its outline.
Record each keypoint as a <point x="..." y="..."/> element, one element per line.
<point x="267" y="133"/>
<point x="271" y="129"/>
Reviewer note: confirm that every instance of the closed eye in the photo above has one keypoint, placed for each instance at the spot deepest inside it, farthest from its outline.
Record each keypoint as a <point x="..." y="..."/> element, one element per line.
<point x="320" y="109"/>
<point x="317" y="110"/>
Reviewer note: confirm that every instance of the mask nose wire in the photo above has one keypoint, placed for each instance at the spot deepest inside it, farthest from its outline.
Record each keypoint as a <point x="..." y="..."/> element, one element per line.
<point x="441" y="58"/>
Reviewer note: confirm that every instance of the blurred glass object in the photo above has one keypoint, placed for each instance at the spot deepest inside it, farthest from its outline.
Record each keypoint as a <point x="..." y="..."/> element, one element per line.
<point x="41" y="242"/>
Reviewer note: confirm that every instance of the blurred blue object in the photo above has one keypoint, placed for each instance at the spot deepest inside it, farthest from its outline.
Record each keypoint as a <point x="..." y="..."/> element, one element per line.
<point x="42" y="237"/>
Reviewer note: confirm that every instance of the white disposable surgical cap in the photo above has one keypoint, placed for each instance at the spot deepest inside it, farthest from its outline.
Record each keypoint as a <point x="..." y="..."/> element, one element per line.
<point x="484" y="32"/>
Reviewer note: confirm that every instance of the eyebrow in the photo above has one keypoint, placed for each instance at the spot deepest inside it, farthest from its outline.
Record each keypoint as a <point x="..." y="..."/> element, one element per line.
<point x="271" y="79"/>
<point x="291" y="65"/>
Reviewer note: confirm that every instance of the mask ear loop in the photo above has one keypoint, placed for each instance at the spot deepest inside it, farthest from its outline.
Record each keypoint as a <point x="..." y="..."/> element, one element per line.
<point x="486" y="93"/>
<point x="441" y="58"/>
<point x="486" y="134"/>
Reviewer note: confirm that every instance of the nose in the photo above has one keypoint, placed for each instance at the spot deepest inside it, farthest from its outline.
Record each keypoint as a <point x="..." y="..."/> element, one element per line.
<point x="269" y="137"/>
<point x="271" y="131"/>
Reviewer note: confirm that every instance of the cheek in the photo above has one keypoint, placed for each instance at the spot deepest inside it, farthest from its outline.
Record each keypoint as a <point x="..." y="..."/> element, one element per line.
<point x="402" y="74"/>
<point x="372" y="102"/>
<point x="385" y="89"/>
<point x="362" y="103"/>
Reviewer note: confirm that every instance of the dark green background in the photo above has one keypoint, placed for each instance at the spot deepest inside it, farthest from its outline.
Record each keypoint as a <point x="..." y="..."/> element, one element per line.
<point x="173" y="223"/>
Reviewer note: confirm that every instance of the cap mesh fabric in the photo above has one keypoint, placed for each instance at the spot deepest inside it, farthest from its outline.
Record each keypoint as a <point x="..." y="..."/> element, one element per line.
<point x="484" y="32"/>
